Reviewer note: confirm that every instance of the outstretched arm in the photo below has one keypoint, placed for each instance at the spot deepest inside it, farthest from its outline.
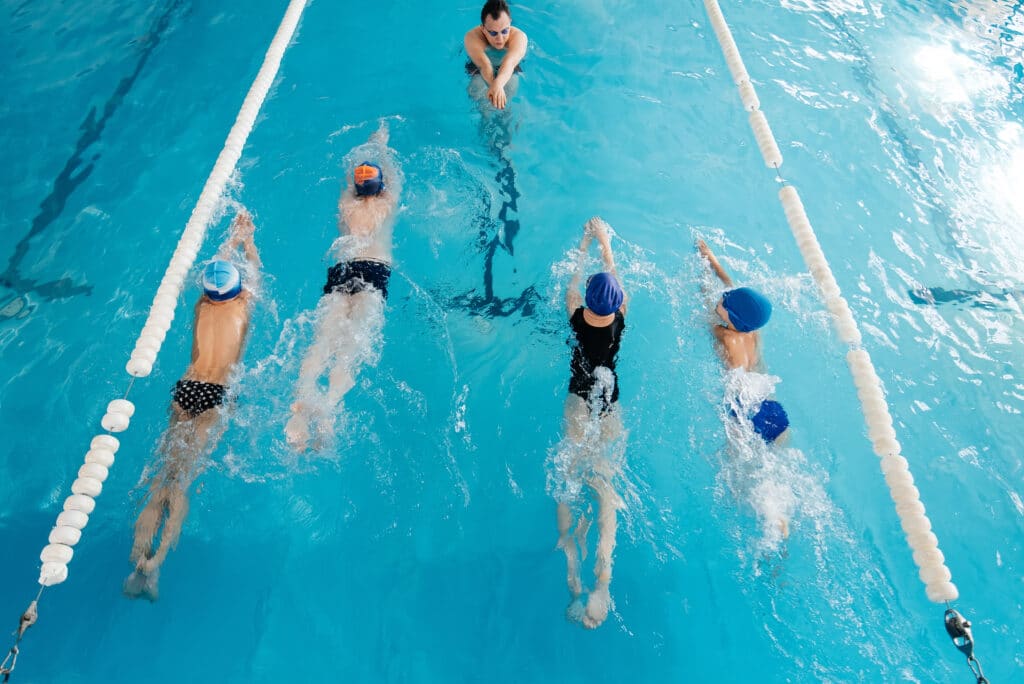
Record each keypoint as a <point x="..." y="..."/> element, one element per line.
<point x="242" y="230"/>
<point x="516" y="51"/>
<point x="600" y="229"/>
<point x="573" y="299"/>
<point x="475" y="45"/>
<point x="706" y="252"/>
<point x="381" y="135"/>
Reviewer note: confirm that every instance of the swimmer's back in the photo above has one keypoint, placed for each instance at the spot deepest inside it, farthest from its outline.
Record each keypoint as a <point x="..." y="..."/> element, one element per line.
<point x="218" y="337"/>
<point x="737" y="349"/>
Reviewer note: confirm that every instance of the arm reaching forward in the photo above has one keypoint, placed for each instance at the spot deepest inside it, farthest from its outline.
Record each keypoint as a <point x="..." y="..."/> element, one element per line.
<point x="706" y="252"/>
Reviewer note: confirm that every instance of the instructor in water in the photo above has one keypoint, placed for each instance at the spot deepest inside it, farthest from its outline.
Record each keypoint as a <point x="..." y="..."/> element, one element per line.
<point x="495" y="49"/>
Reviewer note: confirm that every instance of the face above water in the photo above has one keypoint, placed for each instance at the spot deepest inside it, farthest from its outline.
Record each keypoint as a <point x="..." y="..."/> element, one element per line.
<point x="497" y="31"/>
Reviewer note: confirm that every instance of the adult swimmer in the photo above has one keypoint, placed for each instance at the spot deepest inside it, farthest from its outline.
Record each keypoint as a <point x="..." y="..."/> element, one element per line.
<point x="218" y="337"/>
<point x="592" y="423"/>
<point x="495" y="49"/>
<point x="350" y="314"/>
<point x="742" y="312"/>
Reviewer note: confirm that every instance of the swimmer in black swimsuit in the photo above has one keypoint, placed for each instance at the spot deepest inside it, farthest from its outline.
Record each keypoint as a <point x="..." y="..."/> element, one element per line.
<point x="219" y="332"/>
<point x="593" y="424"/>
<point x="350" y="314"/>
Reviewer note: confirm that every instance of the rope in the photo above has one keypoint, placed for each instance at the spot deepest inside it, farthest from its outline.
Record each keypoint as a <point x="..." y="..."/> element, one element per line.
<point x="67" y="530"/>
<point x="930" y="561"/>
<point x="28" y="618"/>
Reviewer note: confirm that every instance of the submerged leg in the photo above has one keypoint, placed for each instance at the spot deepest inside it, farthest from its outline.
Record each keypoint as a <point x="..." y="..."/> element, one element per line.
<point x="356" y="339"/>
<point x="332" y="314"/>
<point x="573" y="541"/>
<point x="608" y="502"/>
<point x="567" y="543"/>
<point x="164" y="514"/>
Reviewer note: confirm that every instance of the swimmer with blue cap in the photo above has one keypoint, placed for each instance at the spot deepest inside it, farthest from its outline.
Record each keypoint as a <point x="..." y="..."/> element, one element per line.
<point x="743" y="311"/>
<point x="221" y="281"/>
<point x="597" y="320"/>
<point x="198" y="401"/>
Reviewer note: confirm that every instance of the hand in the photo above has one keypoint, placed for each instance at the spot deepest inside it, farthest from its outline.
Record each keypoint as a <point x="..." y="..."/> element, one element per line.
<point x="242" y="228"/>
<point x="597" y="227"/>
<point x="381" y="134"/>
<point x="704" y="250"/>
<point x="496" y="94"/>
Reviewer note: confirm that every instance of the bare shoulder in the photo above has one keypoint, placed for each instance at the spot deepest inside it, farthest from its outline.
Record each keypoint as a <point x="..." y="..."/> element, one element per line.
<point x="518" y="38"/>
<point x="474" y="37"/>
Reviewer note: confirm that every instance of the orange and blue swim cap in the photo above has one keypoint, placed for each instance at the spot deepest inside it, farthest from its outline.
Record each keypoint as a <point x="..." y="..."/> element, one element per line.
<point x="369" y="179"/>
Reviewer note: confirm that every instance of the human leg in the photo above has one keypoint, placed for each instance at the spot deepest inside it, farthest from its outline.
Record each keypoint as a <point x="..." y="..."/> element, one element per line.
<point x="331" y="315"/>
<point x="184" y="444"/>
<point x="608" y="503"/>
<point x="357" y="340"/>
<point x="572" y="541"/>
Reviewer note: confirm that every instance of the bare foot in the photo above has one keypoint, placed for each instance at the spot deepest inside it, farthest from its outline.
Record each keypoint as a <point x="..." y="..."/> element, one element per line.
<point x="576" y="610"/>
<point x="296" y="431"/>
<point x="783" y="527"/>
<point x="142" y="583"/>
<point x="597" y="607"/>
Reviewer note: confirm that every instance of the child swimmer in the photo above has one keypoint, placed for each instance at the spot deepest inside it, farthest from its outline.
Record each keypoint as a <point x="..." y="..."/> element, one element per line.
<point x="743" y="311"/>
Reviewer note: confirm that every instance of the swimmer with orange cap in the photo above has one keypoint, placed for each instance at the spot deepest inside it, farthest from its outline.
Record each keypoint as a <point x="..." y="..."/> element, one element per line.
<point x="218" y="337"/>
<point x="350" y="313"/>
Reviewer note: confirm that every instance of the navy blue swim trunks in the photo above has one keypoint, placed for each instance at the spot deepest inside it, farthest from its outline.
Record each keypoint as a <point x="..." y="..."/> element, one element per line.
<point x="360" y="275"/>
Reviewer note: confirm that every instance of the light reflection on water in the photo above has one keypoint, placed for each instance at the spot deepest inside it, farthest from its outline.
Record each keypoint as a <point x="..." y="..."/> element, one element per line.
<point x="899" y="125"/>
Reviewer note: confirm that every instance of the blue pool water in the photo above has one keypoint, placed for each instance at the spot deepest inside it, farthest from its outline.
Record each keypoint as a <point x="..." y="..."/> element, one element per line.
<point x="420" y="546"/>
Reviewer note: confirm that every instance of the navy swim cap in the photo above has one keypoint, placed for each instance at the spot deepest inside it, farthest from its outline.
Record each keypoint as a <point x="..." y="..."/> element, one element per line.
<point x="221" y="280"/>
<point x="604" y="294"/>
<point x="748" y="309"/>
<point x="770" y="421"/>
<point x="369" y="179"/>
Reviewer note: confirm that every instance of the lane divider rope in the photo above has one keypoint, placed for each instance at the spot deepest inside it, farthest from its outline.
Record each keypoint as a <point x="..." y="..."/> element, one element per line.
<point x="917" y="528"/>
<point x="88" y="485"/>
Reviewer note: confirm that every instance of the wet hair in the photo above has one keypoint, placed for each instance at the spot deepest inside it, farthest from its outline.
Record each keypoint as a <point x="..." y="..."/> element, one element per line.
<point x="493" y="9"/>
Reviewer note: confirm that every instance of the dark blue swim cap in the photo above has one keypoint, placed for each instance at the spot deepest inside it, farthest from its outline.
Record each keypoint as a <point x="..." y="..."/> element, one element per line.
<point x="748" y="309"/>
<point x="770" y="421"/>
<point x="604" y="294"/>
<point x="369" y="179"/>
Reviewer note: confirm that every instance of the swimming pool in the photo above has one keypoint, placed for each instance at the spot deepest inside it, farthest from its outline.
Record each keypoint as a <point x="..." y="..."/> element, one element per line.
<point x="420" y="546"/>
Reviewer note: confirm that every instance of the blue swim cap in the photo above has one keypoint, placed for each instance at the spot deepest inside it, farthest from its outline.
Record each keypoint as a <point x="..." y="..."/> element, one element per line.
<point x="770" y="421"/>
<point x="604" y="294"/>
<point x="221" y="280"/>
<point x="748" y="309"/>
<point x="369" y="179"/>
